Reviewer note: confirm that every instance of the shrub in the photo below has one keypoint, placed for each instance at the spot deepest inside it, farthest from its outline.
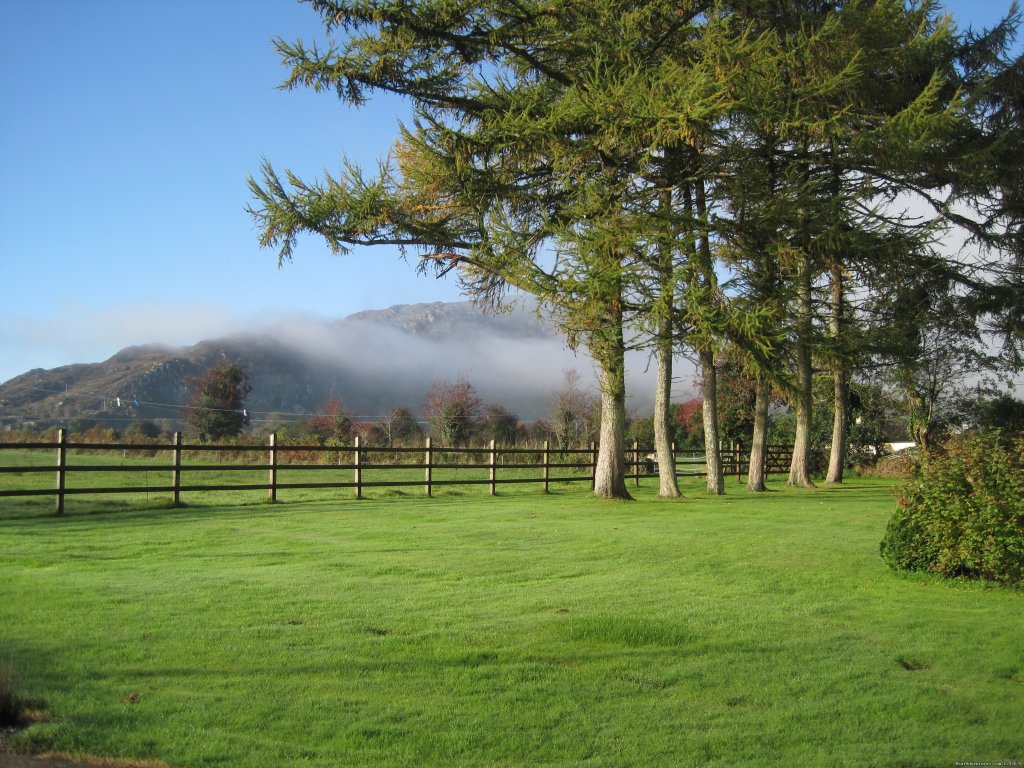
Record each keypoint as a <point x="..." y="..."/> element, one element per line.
<point x="964" y="513"/>
<point x="901" y="466"/>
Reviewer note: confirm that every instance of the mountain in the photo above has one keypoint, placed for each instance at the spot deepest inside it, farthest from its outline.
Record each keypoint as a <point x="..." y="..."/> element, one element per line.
<point x="370" y="361"/>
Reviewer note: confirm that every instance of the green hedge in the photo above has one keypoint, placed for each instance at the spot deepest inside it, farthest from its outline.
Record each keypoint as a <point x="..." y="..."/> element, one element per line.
<point x="963" y="515"/>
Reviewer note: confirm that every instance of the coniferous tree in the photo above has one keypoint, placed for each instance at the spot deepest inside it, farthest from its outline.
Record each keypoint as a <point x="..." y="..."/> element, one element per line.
<point x="841" y="110"/>
<point x="516" y="172"/>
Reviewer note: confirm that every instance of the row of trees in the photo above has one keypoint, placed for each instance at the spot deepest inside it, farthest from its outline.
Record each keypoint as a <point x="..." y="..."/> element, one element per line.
<point x="881" y="411"/>
<point x="775" y="179"/>
<point x="453" y="414"/>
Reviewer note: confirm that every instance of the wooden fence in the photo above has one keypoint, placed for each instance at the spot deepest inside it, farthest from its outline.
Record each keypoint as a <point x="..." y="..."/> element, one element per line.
<point x="503" y="466"/>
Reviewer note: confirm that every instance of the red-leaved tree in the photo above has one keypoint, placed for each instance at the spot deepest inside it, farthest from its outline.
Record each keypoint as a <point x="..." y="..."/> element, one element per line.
<point x="450" y="410"/>
<point x="333" y="422"/>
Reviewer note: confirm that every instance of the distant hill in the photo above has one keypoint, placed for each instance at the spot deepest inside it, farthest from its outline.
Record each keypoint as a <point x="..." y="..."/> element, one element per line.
<point x="370" y="361"/>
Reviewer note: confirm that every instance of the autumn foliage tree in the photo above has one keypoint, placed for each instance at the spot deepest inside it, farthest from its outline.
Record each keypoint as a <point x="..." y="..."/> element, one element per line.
<point x="333" y="422"/>
<point x="450" y="409"/>
<point x="216" y="404"/>
<point x="689" y="422"/>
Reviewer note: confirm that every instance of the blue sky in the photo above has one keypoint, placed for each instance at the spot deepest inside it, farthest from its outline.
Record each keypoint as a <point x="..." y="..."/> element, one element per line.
<point x="128" y="129"/>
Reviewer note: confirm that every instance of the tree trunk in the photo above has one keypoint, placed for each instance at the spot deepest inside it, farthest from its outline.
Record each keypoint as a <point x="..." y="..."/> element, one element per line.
<point x="712" y="447"/>
<point x="608" y="347"/>
<point x="712" y="450"/>
<point x="759" y="443"/>
<point x="668" y="485"/>
<point x="924" y="439"/>
<point x="800" y="468"/>
<point x="923" y="431"/>
<point x="610" y="474"/>
<point x="840" y="423"/>
<point x="840" y="384"/>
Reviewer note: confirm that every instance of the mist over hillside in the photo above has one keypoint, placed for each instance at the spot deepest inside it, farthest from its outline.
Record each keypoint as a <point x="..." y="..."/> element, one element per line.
<point x="371" y="361"/>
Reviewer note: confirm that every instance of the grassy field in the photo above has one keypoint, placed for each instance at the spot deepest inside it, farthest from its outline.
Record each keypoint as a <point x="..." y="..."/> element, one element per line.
<point x="522" y="630"/>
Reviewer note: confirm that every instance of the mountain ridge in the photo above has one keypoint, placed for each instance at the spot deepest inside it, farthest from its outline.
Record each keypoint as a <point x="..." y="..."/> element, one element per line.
<point x="371" y="361"/>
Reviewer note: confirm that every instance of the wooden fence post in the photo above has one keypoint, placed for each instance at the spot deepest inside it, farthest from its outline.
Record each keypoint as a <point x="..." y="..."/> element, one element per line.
<point x="176" y="471"/>
<point x="494" y="470"/>
<point x="62" y="461"/>
<point x="593" y="466"/>
<point x="272" y="478"/>
<point x="358" y="468"/>
<point x="429" y="462"/>
<point x="739" y="461"/>
<point x="674" y="471"/>
<point x="547" y="464"/>
<point x="636" y="463"/>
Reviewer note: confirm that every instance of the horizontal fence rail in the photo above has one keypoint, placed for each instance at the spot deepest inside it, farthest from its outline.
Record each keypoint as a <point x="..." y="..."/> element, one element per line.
<point x="544" y="465"/>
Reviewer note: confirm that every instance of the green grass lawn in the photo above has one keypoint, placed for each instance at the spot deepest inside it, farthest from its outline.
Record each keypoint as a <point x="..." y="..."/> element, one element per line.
<point x="522" y="630"/>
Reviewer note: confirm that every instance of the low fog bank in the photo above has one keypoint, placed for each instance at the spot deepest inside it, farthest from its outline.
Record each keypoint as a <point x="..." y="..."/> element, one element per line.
<point x="372" y="362"/>
<point x="514" y="360"/>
